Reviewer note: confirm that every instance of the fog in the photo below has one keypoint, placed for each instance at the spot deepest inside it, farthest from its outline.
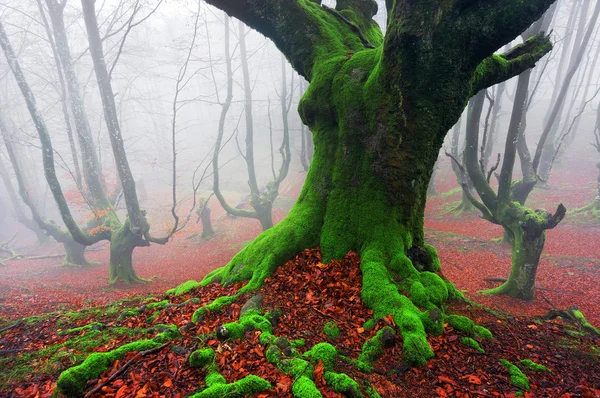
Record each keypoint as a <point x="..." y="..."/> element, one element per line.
<point x="147" y="44"/>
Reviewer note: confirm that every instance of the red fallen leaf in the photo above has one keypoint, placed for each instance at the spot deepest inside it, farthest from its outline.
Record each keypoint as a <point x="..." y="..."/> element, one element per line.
<point x="441" y="392"/>
<point x="168" y="383"/>
<point x="390" y="319"/>
<point x="448" y="380"/>
<point x="309" y="296"/>
<point x="474" y="379"/>
<point x="284" y="384"/>
<point x="319" y="371"/>
<point x="122" y="391"/>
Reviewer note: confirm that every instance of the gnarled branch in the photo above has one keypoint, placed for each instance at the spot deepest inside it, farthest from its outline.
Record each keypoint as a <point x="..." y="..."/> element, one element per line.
<point x="498" y="68"/>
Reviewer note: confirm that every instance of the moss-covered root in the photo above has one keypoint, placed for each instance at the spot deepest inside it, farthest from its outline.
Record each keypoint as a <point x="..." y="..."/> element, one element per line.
<point x="247" y="386"/>
<point x="343" y="384"/>
<point x="373" y="348"/>
<point x="533" y="366"/>
<point x="183" y="288"/>
<point x="468" y="327"/>
<point x="469" y="342"/>
<point x="258" y="260"/>
<point x="517" y="377"/>
<point x="72" y="381"/>
<point x="216" y="385"/>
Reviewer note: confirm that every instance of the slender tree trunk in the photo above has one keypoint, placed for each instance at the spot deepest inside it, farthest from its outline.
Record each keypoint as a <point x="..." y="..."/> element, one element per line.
<point x="122" y="244"/>
<point x="579" y="48"/>
<point x="91" y="165"/>
<point x="75" y="254"/>
<point x="207" y="229"/>
<point x="526" y="252"/>
<point x="63" y="95"/>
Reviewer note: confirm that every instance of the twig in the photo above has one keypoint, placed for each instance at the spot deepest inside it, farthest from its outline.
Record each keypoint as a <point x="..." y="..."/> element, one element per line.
<point x="14" y="325"/>
<point x="322" y="313"/>
<point x="120" y="371"/>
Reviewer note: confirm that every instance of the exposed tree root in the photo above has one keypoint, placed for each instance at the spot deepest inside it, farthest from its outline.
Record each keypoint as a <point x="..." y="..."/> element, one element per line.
<point x="502" y="280"/>
<point x="575" y="316"/>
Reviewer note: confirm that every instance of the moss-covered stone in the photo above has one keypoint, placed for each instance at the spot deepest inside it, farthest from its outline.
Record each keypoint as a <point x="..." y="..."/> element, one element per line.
<point x="202" y="358"/>
<point x="323" y="352"/>
<point x="517" y="377"/>
<point x="331" y="330"/>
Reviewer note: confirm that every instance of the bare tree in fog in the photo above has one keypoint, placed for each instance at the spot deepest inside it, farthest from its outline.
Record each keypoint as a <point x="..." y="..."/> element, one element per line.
<point x="18" y="211"/>
<point x="594" y="206"/>
<point x="580" y="41"/>
<point x="124" y="236"/>
<point x="74" y="251"/>
<point x="260" y="199"/>
<point x="524" y="227"/>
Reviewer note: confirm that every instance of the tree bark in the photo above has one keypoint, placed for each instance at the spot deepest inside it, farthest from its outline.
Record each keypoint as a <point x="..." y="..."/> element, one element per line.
<point x="379" y="109"/>
<point x="91" y="165"/>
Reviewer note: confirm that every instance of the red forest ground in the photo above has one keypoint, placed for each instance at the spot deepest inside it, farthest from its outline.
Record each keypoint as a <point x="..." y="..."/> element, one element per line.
<point x="568" y="271"/>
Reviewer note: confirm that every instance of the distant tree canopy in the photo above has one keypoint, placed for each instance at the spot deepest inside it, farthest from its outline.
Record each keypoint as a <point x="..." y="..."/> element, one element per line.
<point x="379" y="107"/>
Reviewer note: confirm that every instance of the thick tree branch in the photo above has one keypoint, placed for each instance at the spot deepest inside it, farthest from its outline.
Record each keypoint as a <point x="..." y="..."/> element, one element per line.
<point x="301" y="29"/>
<point x="498" y="68"/>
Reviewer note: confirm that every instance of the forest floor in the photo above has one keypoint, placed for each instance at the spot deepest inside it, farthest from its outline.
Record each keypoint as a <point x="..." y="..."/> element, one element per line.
<point x="568" y="276"/>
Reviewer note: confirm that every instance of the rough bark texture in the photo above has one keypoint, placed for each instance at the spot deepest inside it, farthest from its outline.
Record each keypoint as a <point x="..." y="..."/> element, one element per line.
<point x="379" y="108"/>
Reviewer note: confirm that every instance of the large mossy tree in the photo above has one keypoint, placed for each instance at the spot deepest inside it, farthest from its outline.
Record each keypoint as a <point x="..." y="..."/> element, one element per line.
<point x="379" y="107"/>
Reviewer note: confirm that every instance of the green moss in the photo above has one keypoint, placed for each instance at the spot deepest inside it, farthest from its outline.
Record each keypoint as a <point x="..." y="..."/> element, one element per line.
<point x="465" y="325"/>
<point x="343" y="384"/>
<point x="297" y="343"/>
<point x="304" y="387"/>
<point x="369" y="325"/>
<point x="418" y="294"/>
<point x="437" y="291"/>
<point x="158" y="305"/>
<point x="183" y="288"/>
<point x="373" y="348"/>
<point x="247" y="386"/>
<point x="216" y="306"/>
<point x="461" y="324"/>
<point x="469" y="342"/>
<point x="533" y="366"/>
<point x="202" y="358"/>
<point x="324" y="352"/>
<point x="153" y="317"/>
<point x="331" y="330"/>
<point x="482" y="332"/>
<point x="91" y="326"/>
<point x="517" y="377"/>
<point x="73" y="380"/>
<point x="251" y="320"/>
<point x="584" y="323"/>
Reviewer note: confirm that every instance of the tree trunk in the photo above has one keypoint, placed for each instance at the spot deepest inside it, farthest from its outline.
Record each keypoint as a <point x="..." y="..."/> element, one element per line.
<point x="207" y="230"/>
<point x="526" y="252"/>
<point x="122" y="244"/>
<point x="75" y="254"/>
